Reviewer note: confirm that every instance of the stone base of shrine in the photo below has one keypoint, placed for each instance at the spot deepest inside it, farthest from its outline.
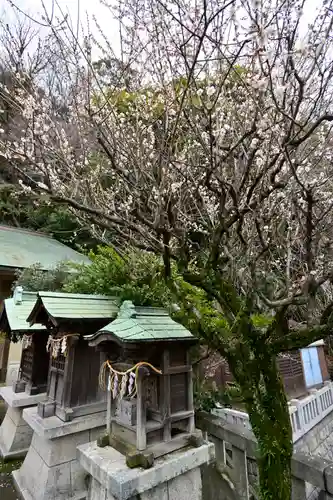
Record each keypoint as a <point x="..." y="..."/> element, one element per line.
<point x="15" y="433"/>
<point x="175" y="476"/>
<point x="51" y="469"/>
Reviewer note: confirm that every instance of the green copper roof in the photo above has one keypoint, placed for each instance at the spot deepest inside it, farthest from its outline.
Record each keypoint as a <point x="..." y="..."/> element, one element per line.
<point x="142" y="324"/>
<point x="15" y="312"/>
<point x="20" y="249"/>
<point x="73" y="306"/>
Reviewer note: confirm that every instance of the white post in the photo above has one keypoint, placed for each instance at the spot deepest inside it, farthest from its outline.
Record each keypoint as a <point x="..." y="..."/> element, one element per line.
<point x="141" y="435"/>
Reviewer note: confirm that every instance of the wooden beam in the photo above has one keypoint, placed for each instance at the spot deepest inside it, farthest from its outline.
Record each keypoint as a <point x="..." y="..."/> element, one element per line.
<point x="165" y="396"/>
<point x="141" y="436"/>
<point x="174" y="370"/>
<point x="181" y="415"/>
<point x="190" y="405"/>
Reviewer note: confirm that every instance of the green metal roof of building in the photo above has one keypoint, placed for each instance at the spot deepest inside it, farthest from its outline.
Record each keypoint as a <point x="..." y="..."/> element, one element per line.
<point x="15" y="311"/>
<point x="142" y="324"/>
<point x="73" y="306"/>
<point x="20" y="248"/>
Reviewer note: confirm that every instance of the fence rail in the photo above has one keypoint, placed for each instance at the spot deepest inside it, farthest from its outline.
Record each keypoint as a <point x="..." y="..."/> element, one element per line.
<point x="305" y="413"/>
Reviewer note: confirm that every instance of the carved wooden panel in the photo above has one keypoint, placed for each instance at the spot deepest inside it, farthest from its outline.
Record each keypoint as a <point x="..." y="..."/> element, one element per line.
<point x="178" y="392"/>
<point x="27" y="363"/>
<point x="84" y="387"/>
<point x="152" y="396"/>
<point x="178" y="356"/>
<point x="59" y="362"/>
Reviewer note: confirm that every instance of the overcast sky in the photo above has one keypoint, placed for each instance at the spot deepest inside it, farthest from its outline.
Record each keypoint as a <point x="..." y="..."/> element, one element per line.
<point x="35" y="7"/>
<point x="82" y="8"/>
<point x="74" y="8"/>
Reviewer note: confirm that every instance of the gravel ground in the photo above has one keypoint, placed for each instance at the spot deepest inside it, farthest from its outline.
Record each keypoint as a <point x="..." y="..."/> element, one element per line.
<point x="7" y="491"/>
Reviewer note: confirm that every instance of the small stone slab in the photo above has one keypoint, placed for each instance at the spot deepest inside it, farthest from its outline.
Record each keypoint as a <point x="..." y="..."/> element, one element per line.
<point x="311" y="467"/>
<point x="20" y="399"/>
<point x="196" y="439"/>
<point x="103" y="440"/>
<point x="121" y="445"/>
<point x="53" y="427"/>
<point x="139" y="459"/>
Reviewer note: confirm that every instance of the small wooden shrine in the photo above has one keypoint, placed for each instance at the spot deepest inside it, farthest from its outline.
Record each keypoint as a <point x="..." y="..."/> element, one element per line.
<point x="148" y="377"/>
<point x="73" y="388"/>
<point x="34" y="364"/>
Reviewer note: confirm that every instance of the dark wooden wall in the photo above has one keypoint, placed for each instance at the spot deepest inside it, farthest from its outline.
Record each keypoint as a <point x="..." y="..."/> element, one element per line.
<point x="323" y="363"/>
<point x="291" y="369"/>
<point x="290" y="366"/>
<point x="85" y="388"/>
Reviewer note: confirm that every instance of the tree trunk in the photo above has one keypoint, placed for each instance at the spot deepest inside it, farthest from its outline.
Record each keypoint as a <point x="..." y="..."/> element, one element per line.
<point x="266" y="403"/>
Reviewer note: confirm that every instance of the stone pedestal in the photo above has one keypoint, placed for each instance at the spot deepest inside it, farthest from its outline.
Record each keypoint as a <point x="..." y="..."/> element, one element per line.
<point x="174" y="477"/>
<point x="15" y="433"/>
<point x="50" y="469"/>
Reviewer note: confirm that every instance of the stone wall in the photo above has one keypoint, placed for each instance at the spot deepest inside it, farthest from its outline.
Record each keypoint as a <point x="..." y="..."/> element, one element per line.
<point x="319" y="441"/>
<point x="233" y="475"/>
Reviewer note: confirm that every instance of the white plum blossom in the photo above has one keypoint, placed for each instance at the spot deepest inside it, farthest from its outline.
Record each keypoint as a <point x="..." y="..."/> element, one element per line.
<point x="210" y="133"/>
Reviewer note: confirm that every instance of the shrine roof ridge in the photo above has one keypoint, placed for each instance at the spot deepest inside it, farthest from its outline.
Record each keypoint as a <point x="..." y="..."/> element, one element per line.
<point x="16" y="313"/>
<point x="69" y="295"/>
<point x="71" y="306"/>
<point x="141" y="324"/>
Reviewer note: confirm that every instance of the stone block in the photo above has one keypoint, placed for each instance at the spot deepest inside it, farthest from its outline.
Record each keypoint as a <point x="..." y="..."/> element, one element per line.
<point x="51" y="469"/>
<point x="108" y="467"/>
<point x="15" y="415"/>
<point x="31" y="478"/>
<point x="103" y="440"/>
<point x="298" y="489"/>
<point x="20" y="399"/>
<point x="96" y="433"/>
<point x="97" y="462"/>
<point x="186" y="486"/>
<point x="53" y="427"/>
<point x="329" y="478"/>
<point x="97" y="491"/>
<point x="196" y="439"/>
<point x="135" y="459"/>
<point x="19" y="386"/>
<point x="310" y="467"/>
<point x="15" y="435"/>
<point x="158" y="493"/>
<point x="36" y="481"/>
<point x="61" y="450"/>
<point x="219" y="449"/>
<point x="78" y="477"/>
<point x="46" y="409"/>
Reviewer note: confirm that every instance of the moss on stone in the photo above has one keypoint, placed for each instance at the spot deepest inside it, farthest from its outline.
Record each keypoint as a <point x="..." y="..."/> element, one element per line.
<point x="103" y="440"/>
<point x="135" y="459"/>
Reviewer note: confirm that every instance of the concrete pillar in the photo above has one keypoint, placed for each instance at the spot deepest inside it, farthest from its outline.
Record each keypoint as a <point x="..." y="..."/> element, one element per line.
<point x="298" y="489"/>
<point x="15" y="433"/>
<point x="241" y="478"/>
<point x="51" y="469"/>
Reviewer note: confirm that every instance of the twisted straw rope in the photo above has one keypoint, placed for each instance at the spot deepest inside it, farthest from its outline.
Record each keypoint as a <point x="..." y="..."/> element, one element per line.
<point x="107" y="366"/>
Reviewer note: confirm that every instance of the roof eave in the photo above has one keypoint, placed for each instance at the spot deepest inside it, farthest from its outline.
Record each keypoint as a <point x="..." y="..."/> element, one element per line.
<point x="104" y="336"/>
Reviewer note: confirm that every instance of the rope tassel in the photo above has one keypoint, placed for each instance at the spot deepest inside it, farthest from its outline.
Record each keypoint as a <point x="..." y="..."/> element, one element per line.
<point x="121" y="384"/>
